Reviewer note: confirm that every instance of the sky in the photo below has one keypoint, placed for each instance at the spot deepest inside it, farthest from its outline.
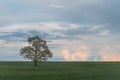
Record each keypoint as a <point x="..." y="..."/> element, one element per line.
<point x="76" y="30"/>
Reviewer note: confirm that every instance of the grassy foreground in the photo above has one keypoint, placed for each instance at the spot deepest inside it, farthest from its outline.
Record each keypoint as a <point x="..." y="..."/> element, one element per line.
<point x="60" y="71"/>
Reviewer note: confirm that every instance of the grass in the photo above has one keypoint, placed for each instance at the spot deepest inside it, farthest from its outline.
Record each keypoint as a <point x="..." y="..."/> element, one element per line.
<point x="60" y="71"/>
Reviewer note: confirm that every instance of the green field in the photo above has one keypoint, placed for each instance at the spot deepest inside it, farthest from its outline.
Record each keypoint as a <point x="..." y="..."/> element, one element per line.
<point x="60" y="71"/>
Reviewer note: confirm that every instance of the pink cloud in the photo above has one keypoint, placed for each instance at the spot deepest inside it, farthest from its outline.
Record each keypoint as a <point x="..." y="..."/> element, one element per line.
<point x="110" y="57"/>
<point x="79" y="55"/>
<point x="108" y="54"/>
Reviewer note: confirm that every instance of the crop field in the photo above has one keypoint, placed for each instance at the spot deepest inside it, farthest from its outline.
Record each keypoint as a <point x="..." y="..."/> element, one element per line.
<point x="60" y="71"/>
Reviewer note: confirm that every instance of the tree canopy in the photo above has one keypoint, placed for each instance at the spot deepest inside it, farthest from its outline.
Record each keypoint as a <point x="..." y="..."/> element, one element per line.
<point x="37" y="50"/>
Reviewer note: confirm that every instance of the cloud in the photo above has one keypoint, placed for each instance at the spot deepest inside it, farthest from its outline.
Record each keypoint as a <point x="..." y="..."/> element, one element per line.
<point x="85" y="55"/>
<point x="77" y="56"/>
<point x="110" y="54"/>
<point x="97" y="27"/>
<point x="13" y="44"/>
<point x="73" y="26"/>
<point x="2" y="42"/>
<point x="46" y="27"/>
<point x="105" y="53"/>
<point x="65" y="54"/>
<point x="56" y="6"/>
<point x="80" y="30"/>
<point x="104" y="32"/>
<point x="71" y="44"/>
<point x="56" y="3"/>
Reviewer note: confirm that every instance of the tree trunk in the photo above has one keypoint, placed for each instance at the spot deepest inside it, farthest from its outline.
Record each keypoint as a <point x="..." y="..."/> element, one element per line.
<point x="35" y="61"/>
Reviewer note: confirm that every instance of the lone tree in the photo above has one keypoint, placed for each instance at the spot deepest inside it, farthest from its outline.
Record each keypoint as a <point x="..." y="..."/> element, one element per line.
<point x="37" y="50"/>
